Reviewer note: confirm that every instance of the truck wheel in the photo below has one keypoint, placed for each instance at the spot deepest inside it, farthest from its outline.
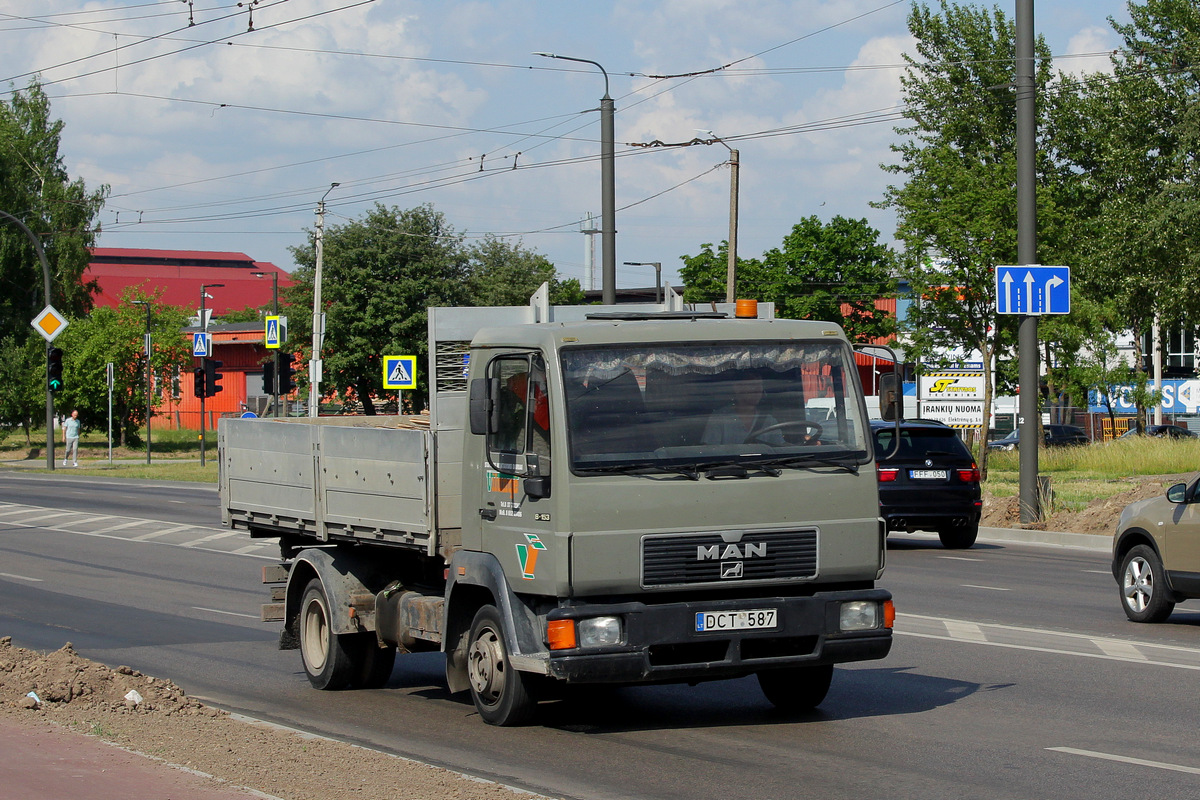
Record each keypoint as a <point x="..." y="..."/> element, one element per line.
<point x="959" y="538"/>
<point x="373" y="663"/>
<point x="501" y="693"/>
<point x="795" y="689"/>
<point x="328" y="657"/>
<point x="1144" y="593"/>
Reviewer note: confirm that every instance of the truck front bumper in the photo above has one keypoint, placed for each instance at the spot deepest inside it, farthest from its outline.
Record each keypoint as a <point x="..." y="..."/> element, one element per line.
<point x="662" y="643"/>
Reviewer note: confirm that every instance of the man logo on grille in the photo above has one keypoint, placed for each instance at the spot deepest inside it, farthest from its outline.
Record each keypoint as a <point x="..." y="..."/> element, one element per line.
<point x="731" y="569"/>
<point x="715" y="553"/>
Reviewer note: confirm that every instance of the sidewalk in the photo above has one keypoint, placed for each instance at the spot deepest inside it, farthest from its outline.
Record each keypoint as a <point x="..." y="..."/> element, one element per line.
<point x="44" y="762"/>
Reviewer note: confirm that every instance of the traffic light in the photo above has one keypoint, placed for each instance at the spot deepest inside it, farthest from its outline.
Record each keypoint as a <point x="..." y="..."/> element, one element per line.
<point x="286" y="370"/>
<point x="198" y="382"/>
<point x="269" y="377"/>
<point x="54" y="369"/>
<point x="212" y="378"/>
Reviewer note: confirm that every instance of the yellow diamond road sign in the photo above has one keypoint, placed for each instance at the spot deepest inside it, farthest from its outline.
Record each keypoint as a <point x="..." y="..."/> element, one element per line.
<point x="50" y="323"/>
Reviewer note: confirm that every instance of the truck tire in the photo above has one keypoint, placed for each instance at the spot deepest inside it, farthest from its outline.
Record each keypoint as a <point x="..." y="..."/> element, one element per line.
<point x="1144" y="592"/>
<point x="959" y="538"/>
<point x="501" y="694"/>
<point x="796" y="689"/>
<point x="328" y="657"/>
<point x="373" y="664"/>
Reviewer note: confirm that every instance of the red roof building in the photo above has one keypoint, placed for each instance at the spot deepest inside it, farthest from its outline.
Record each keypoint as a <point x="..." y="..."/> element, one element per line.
<point x="180" y="274"/>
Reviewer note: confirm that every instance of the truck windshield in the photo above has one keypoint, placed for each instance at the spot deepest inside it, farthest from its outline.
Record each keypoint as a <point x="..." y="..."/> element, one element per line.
<point x="681" y="405"/>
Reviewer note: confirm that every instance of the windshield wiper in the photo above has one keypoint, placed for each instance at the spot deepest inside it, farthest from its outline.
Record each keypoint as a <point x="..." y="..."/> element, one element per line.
<point x="691" y="473"/>
<point x="846" y="462"/>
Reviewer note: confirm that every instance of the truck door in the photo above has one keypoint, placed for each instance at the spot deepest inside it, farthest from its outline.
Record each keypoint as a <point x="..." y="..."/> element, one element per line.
<point x="517" y="498"/>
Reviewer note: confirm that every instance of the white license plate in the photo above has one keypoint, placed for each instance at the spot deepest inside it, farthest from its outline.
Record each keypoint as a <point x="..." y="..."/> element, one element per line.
<point x="928" y="474"/>
<point x="750" y="619"/>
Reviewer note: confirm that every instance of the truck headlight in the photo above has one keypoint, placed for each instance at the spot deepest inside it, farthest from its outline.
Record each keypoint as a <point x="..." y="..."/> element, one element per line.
<point x="600" y="631"/>
<point x="859" y="615"/>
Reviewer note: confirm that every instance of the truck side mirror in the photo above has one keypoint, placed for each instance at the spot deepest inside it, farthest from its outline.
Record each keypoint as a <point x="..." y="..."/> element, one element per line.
<point x="537" y="488"/>
<point x="480" y="406"/>
<point x="891" y="397"/>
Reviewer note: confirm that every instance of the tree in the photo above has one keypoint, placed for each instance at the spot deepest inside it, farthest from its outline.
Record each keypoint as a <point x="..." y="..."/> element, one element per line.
<point x="379" y="274"/>
<point x="23" y="378"/>
<point x="503" y="274"/>
<point x="116" y="336"/>
<point x="832" y="271"/>
<point x="956" y="208"/>
<point x="35" y="188"/>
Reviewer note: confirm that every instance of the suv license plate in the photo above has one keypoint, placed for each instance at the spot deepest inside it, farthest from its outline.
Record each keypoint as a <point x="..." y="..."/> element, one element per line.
<point x="928" y="474"/>
<point x="735" y="620"/>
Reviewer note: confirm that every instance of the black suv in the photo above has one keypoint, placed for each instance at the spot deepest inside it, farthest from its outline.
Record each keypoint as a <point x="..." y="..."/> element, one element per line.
<point x="930" y="482"/>
<point x="1055" y="435"/>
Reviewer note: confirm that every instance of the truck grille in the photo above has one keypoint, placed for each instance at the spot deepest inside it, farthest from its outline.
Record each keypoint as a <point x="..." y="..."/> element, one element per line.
<point x="707" y="558"/>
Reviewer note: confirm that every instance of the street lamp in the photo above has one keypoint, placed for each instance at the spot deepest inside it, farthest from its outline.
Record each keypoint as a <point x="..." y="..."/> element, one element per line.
<point x="607" y="189"/>
<point x="657" y="275"/>
<point x="146" y="303"/>
<point x="275" y="312"/>
<point x="731" y="269"/>
<point x="204" y="359"/>
<point x="318" y="327"/>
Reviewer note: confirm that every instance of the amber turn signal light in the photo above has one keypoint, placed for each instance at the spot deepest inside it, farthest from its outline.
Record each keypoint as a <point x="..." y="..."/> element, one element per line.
<point x="560" y="634"/>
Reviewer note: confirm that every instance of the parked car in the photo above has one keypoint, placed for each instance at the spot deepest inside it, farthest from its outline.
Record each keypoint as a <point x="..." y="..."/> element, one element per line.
<point x="1156" y="557"/>
<point x="1161" y="432"/>
<point x="928" y="482"/>
<point x="1055" y="435"/>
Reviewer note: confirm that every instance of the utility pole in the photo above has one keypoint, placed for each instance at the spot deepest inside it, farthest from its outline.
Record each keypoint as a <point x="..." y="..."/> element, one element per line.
<point x="318" y="320"/>
<point x="731" y="270"/>
<point x="204" y="361"/>
<point x="275" y="313"/>
<point x="149" y="377"/>
<point x="1027" y="338"/>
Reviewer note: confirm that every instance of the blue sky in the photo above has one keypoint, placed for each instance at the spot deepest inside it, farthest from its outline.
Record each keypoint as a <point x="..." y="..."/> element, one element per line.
<point x="213" y="136"/>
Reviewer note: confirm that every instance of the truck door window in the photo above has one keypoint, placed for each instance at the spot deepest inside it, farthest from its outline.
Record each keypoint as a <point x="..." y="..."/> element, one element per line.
<point x="520" y="442"/>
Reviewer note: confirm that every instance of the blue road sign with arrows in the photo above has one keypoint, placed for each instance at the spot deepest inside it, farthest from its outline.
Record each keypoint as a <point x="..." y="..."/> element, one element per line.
<point x="399" y="372"/>
<point x="1033" y="289"/>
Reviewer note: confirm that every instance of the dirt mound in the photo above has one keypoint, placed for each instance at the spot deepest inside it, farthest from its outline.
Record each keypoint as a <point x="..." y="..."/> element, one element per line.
<point x="154" y="716"/>
<point x="1099" y="516"/>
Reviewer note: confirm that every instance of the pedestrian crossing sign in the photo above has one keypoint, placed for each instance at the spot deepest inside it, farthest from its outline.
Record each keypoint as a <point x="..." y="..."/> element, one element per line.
<point x="271" y="334"/>
<point x="399" y="372"/>
<point x="201" y="345"/>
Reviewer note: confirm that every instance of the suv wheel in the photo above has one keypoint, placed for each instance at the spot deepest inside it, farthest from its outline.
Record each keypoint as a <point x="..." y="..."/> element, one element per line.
<point x="1144" y="593"/>
<point x="959" y="538"/>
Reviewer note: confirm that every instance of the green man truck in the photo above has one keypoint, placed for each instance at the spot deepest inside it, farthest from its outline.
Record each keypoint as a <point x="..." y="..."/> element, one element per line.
<point x="597" y="495"/>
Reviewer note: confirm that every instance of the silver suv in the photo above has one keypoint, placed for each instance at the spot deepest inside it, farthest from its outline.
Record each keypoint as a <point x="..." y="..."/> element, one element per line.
<point x="1156" y="553"/>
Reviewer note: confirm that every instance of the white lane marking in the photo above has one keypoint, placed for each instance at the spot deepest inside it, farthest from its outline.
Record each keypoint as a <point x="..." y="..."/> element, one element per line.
<point x="1112" y="647"/>
<point x="1098" y="571"/>
<point x="253" y="548"/>
<point x="49" y="516"/>
<point x="20" y="577"/>
<point x="122" y="526"/>
<point x="1141" y="762"/>
<point x="213" y="538"/>
<point x="1044" y="632"/>
<point x="180" y="502"/>
<point x="959" y="558"/>
<point x="230" y="613"/>
<point x="165" y="531"/>
<point x="101" y="535"/>
<point x="964" y="630"/>
<point x="988" y="588"/>
<point x="1054" y="651"/>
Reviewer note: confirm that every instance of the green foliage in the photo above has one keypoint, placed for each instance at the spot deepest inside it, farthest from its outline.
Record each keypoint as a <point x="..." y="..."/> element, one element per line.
<point x="23" y="378"/>
<point x="35" y="188"/>
<point x="116" y="336"/>
<point x="830" y="271"/>
<point x="503" y="274"/>
<point x="379" y="274"/>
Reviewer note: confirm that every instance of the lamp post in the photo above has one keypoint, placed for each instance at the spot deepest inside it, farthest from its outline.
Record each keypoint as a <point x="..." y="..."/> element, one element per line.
<point x="734" y="168"/>
<point x="318" y="327"/>
<point x="657" y="275"/>
<point x="275" y="312"/>
<point x="41" y="254"/>
<point x="204" y="359"/>
<point x="608" y="224"/>
<point x="149" y="410"/>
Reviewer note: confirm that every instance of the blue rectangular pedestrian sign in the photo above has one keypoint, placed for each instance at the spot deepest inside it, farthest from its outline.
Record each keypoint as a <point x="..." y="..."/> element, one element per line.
<point x="399" y="372"/>
<point x="272" y="334"/>
<point x="201" y="345"/>
<point x="1033" y="289"/>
